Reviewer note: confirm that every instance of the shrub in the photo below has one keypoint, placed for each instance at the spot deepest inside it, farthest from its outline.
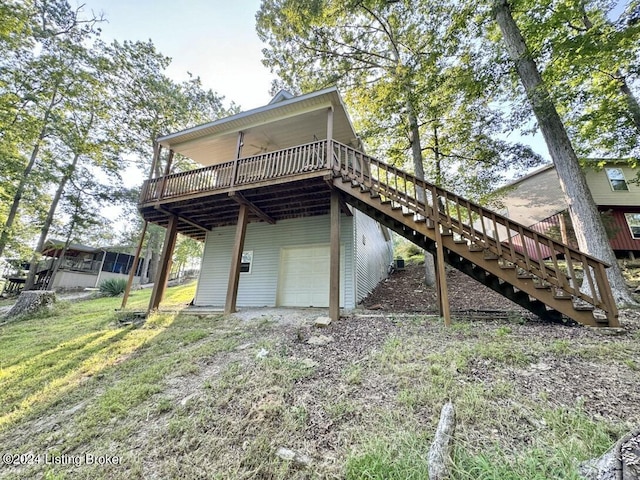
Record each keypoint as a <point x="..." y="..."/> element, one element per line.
<point x="113" y="287"/>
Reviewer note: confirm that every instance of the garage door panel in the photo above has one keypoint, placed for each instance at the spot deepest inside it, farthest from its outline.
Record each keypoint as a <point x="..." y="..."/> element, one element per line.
<point x="304" y="277"/>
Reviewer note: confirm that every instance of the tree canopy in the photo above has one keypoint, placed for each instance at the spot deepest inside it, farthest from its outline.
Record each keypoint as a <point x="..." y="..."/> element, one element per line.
<point x="75" y="114"/>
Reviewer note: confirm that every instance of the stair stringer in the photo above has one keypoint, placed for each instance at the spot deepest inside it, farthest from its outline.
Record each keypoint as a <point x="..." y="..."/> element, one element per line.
<point x="504" y="281"/>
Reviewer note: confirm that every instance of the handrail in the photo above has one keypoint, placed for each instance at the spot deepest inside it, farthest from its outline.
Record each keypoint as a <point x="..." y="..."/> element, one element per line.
<point x="266" y="166"/>
<point x="480" y="227"/>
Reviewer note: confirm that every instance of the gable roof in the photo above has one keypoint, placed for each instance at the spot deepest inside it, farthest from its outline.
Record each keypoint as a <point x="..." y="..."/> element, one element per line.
<point x="281" y="95"/>
<point x="283" y="123"/>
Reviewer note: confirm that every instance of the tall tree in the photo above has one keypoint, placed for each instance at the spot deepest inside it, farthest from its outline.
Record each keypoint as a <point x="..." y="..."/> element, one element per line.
<point x="38" y="68"/>
<point x="408" y="74"/>
<point x="588" y="54"/>
<point x="590" y="232"/>
<point x="150" y="104"/>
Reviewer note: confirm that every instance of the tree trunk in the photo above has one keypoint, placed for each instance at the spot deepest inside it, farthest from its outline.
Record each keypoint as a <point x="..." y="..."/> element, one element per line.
<point x="632" y="101"/>
<point x="30" y="302"/>
<point x="61" y="257"/>
<point x="418" y="168"/>
<point x="17" y="197"/>
<point x="30" y="281"/>
<point x="586" y="219"/>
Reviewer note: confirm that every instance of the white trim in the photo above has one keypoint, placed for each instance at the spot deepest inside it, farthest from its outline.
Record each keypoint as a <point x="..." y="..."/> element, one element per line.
<point x="217" y="126"/>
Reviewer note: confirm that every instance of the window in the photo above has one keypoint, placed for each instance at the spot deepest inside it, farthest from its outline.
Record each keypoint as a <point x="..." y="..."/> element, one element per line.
<point x="616" y="179"/>
<point x="247" y="261"/>
<point x="633" y="220"/>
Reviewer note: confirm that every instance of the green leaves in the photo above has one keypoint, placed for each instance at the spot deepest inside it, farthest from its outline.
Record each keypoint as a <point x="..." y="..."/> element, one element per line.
<point x="416" y="76"/>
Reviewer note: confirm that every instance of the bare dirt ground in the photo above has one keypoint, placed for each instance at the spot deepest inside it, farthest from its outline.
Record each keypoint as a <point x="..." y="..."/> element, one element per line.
<point x="405" y="291"/>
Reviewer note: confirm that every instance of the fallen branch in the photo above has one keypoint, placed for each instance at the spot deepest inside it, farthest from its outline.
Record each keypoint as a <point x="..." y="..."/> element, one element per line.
<point x="620" y="462"/>
<point x="440" y="451"/>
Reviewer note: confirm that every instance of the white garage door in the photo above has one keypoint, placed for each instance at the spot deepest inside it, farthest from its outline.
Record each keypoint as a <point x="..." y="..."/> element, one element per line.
<point x="304" y="277"/>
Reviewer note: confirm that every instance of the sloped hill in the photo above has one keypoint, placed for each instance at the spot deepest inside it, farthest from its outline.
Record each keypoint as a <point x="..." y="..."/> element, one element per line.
<point x="204" y="396"/>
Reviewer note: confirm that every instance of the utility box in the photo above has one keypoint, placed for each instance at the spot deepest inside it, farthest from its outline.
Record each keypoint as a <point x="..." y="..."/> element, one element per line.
<point x="399" y="263"/>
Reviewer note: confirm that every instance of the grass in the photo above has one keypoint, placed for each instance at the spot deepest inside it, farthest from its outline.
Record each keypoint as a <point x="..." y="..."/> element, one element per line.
<point x="187" y="396"/>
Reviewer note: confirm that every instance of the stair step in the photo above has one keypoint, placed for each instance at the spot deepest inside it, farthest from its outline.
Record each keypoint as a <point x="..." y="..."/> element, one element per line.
<point x="408" y="213"/>
<point x="374" y="194"/>
<point x="385" y="202"/>
<point x="396" y="207"/>
<point x="446" y="232"/>
<point x="584" y="308"/>
<point x="475" y="248"/>
<point x="460" y="241"/>
<point x="490" y="256"/>
<point x="562" y="296"/>
<point x="541" y="286"/>
<point x="345" y="178"/>
<point x="509" y="266"/>
<point x="524" y="275"/>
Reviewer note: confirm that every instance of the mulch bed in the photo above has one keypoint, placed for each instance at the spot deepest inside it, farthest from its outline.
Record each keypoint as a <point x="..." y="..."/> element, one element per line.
<point x="405" y="291"/>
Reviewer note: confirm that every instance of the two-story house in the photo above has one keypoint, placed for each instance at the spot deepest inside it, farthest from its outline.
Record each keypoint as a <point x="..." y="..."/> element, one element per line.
<point x="536" y="200"/>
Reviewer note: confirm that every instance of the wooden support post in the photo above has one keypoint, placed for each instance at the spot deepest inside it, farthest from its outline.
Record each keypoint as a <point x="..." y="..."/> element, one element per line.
<point x="162" y="276"/>
<point x="239" y="144"/>
<point x="236" y="260"/>
<point x="334" y="258"/>
<point x="329" y="138"/>
<point x="132" y="272"/>
<point x="441" y="279"/>
<point x="563" y="228"/>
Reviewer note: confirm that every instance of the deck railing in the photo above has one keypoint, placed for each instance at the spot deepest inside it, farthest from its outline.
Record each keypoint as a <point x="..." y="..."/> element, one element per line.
<point x="565" y="268"/>
<point x="267" y="166"/>
<point x="482" y="228"/>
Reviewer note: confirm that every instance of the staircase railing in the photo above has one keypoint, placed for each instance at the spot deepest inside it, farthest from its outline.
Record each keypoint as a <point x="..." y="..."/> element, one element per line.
<point x="566" y="269"/>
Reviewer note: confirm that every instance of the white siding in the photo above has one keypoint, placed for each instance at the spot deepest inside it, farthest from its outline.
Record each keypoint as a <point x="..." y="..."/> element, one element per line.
<point x="259" y="288"/>
<point x="71" y="279"/>
<point x="374" y="253"/>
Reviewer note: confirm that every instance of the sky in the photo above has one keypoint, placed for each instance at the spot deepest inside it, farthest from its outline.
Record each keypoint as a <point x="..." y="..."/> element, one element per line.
<point x="213" y="39"/>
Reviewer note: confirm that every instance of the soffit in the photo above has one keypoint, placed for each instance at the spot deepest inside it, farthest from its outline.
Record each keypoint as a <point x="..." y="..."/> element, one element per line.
<point x="284" y="124"/>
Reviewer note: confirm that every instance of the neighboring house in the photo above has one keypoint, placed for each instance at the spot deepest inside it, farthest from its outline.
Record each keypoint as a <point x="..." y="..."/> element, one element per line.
<point x="285" y="238"/>
<point x="81" y="267"/>
<point x="536" y="200"/>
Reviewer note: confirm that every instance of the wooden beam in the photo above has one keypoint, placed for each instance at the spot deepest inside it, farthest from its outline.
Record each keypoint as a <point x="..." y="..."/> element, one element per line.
<point x="344" y="206"/>
<point x="162" y="276"/>
<point x="242" y="200"/>
<point x="334" y="258"/>
<point x="236" y="260"/>
<point x="182" y="218"/>
<point x="441" y="279"/>
<point x="132" y="272"/>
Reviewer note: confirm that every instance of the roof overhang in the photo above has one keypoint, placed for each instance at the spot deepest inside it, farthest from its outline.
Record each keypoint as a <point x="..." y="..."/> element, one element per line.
<point x="282" y="124"/>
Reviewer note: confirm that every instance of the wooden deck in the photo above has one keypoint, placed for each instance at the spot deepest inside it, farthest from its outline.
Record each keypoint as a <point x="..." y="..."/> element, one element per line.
<point x="277" y="185"/>
<point x="306" y="180"/>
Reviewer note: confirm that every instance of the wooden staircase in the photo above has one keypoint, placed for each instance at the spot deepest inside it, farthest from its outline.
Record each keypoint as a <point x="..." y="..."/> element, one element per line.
<point x="479" y="242"/>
